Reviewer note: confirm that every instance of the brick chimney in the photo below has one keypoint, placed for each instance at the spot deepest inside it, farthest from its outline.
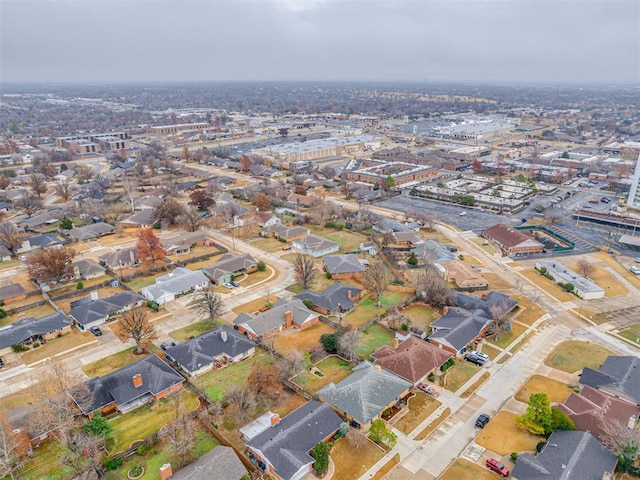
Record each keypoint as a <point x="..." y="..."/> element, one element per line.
<point x="137" y="380"/>
<point x="166" y="471"/>
<point x="445" y="309"/>
<point x="223" y="335"/>
<point x="349" y="295"/>
<point x="483" y="296"/>
<point x="378" y="368"/>
<point x="275" y="419"/>
<point x="287" y="319"/>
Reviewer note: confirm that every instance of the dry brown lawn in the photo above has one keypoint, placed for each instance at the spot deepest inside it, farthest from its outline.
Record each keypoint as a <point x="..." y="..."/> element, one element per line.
<point x="301" y="340"/>
<point x="23" y="279"/>
<point x="433" y="426"/>
<point x="421" y="406"/>
<point x="602" y="278"/>
<point x="623" y="271"/>
<point x="473" y="261"/>
<point x="595" y="317"/>
<point x="462" y="469"/>
<point x="459" y="374"/>
<point x="574" y="355"/>
<point x="496" y="282"/>
<point x="353" y="463"/>
<point x="529" y="312"/>
<point x="476" y="385"/>
<point x="35" y="312"/>
<point x="555" y="390"/>
<point x="548" y="286"/>
<point x="386" y="468"/>
<point x="255" y="305"/>
<point x="501" y="435"/>
<point x="490" y="350"/>
<point x="57" y="345"/>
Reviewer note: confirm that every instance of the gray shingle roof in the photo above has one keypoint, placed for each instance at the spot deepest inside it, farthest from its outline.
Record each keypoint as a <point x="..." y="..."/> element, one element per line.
<point x="274" y="317"/>
<point x="11" y="291"/>
<point x="332" y="296"/>
<point x="200" y="351"/>
<point x="177" y="282"/>
<point x="91" y="231"/>
<point x="568" y="455"/>
<point x="365" y="392"/>
<point x="220" y="463"/>
<point x="287" y="444"/>
<point x="99" y="309"/>
<point x="348" y="263"/>
<point x="26" y="328"/>
<point x="230" y="263"/>
<point x="88" y="267"/>
<point x="118" y="386"/>
<point x="44" y="241"/>
<point x="126" y="256"/>
<point x="458" y="327"/>
<point x="475" y="303"/>
<point x="620" y="373"/>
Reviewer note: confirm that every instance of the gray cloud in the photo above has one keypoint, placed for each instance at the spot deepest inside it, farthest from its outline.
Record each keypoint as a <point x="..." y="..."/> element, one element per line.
<point x="438" y="40"/>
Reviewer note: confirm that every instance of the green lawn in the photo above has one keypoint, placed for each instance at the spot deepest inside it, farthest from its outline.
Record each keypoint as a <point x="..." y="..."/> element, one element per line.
<point x="573" y="355"/>
<point x="267" y="244"/>
<point x="139" y="283"/>
<point x="10" y="264"/>
<point x="193" y="330"/>
<point x="147" y="420"/>
<point x="216" y="382"/>
<point x="506" y="338"/>
<point x="46" y="463"/>
<point x="333" y="369"/>
<point x="366" y="309"/>
<point x="421" y="316"/>
<point x="373" y="338"/>
<point x="116" y="361"/>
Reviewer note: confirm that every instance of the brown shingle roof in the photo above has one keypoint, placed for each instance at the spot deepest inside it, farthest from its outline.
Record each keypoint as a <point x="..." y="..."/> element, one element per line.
<point x="508" y="236"/>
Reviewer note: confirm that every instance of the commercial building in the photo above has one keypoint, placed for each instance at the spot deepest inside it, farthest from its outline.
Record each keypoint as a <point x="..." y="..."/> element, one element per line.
<point x="582" y="286"/>
<point x="634" y="194"/>
<point x="95" y="142"/>
<point x="179" y="128"/>
<point x="377" y="172"/>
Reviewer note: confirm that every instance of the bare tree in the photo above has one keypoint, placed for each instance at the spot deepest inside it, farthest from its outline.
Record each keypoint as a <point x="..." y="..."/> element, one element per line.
<point x="348" y="345"/>
<point x="181" y="435"/>
<point x="134" y="325"/>
<point x="10" y="449"/>
<point x="50" y="263"/>
<point x="169" y="210"/>
<point x="82" y="453"/>
<point x="500" y="318"/>
<point x="356" y="439"/>
<point x="29" y="204"/>
<point x="433" y="289"/>
<point x="209" y="303"/>
<point x="585" y="268"/>
<point x="64" y="189"/>
<point x="423" y="219"/>
<point x="305" y="269"/>
<point x="85" y="172"/>
<point x="328" y="171"/>
<point x="375" y="280"/>
<point x="242" y="399"/>
<point x="191" y="219"/>
<point x="9" y="237"/>
<point x="38" y="184"/>
<point x="290" y="364"/>
<point x="624" y="442"/>
<point x="130" y="187"/>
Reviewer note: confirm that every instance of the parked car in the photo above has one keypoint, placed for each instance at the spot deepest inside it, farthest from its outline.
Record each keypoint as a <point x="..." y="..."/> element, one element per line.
<point x="495" y="465"/>
<point x="227" y="285"/>
<point x="483" y="356"/>
<point x="426" y="388"/>
<point x="234" y="283"/>
<point x="1" y="363"/>
<point x="593" y="200"/>
<point x="164" y="346"/>
<point x="475" y="359"/>
<point x="462" y="214"/>
<point x="637" y="259"/>
<point x="453" y="249"/>
<point x="635" y="270"/>
<point x="586" y="205"/>
<point x="286" y="247"/>
<point x="482" y="420"/>
<point x="96" y="331"/>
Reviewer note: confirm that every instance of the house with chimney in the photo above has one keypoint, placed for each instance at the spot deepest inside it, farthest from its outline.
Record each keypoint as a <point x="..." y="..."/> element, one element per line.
<point x="220" y="463"/>
<point x="282" y="447"/>
<point x="618" y="376"/>
<point x="94" y="311"/>
<point x="215" y="349"/>
<point x="86" y="269"/>
<point x="336" y="299"/>
<point x="315" y="246"/>
<point x="122" y="258"/>
<point x="183" y="243"/>
<point x="27" y="331"/>
<point x="365" y="394"/>
<point x="256" y="219"/>
<point x="175" y="283"/>
<point x="284" y="314"/>
<point x="128" y="387"/>
<point x="90" y="232"/>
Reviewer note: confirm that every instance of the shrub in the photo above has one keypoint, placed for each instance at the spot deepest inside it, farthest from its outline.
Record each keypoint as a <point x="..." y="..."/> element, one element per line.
<point x="99" y="426"/>
<point x="447" y="365"/>
<point x="413" y="259"/>
<point x="262" y="266"/>
<point x="36" y="344"/>
<point x="514" y="456"/>
<point x="405" y="327"/>
<point x="142" y="450"/>
<point x="111" y="464"/>
<point x="308" y="303"/>
<point x="343" y="429"/>
<point x="79" y="286"/>
<point x="282" y="240"/>
<point x="330" y="341"/>
<point x="328" y="275"/>
<point x="568" y="287"/>
<point x="136" y="470"/>
<point x="153" y="305"/>
<point x="320" y="453"/>
<point x="431" y="377"/>
<point x="18" y="347"/>
<point x="3" y="313"/>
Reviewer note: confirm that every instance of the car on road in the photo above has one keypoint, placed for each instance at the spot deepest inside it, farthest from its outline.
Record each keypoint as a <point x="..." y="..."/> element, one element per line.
<point x="482" y="420"/>
<point x="635" y="270"/>
<point x="497" y="466"/>
<point x="96" y="331"/>
<point x="462" y="214"/>
<point x="164" y="346"/>
<point x="234" y="283"/>
<point x="475" y="359"/>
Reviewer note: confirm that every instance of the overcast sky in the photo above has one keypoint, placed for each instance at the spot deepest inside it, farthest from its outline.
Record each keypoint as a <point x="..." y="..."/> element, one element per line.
<point x="578" y="41"/>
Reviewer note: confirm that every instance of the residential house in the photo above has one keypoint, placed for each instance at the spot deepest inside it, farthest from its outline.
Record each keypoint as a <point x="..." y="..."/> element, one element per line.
<point x="343" y="266"/>
<point x="229" y="266"/>
<point x="458" y="328"/>
<point x="433" y="252"/>
<point x="150" y="202"/>
<point x="40" y="241"/>
<point x="285" y="314"/>
<point x="129" y="387"/>
<point x="559" y="273"/>
<point x="175" y="283"/>
<point x="256" y="219"/>
<point x="214" y="349"/>
<point x="125" y="257"/>
<point x="334" y="300"/>
<point x="465" y="277"/>
<point x="407" y="239"/>
<point x="94" y="311"/>
<point x="593" y="411"/>
<point x="365" y="394"/>
<point x="485" y="302"/>
<point x="29" y="330"/>
<point x="369" y="248"/>
<point x="43" y="219"/>
<point x="512" y="241"/>
<point x="315" y="246"/>
<point x="91" y="231"/>
<point x="386" y="226"/>
<point x="618" y="376"/>
<point x="5" y="254"/>
<point x="567" y="455"/>
<point x="283" y="232"/>
<point x="283" y="448"/>
<point x="412" y="360"/>
<point x="140" y="219"/>
<point x="12" y="293"/>
<point x="220" y="463"/>
<point x="87" y="269"/>
<point x="181" y="244"/>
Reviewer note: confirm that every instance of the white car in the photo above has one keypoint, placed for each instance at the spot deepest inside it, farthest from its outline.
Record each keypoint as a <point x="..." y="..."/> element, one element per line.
<point x="634" y="270"/>
<point x="482" y="355"/>
<point x="462" y="214"/>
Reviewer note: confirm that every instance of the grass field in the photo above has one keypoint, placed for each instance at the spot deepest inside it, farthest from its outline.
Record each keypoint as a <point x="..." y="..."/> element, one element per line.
<point x="496" y="282"/>
<point x="349" y="242"/>
<point x="501" y="435"/>
<point x="216" y="382"/>
<point x="352" y="463"/>
<point x="366" y="309"/>
<point x="301" y="340"/>
<point x="46" y="463"/>
<point x="267" y="244"/>
<point x="462" y="469"/>
<point x="487" y="248"/>
<point x="459" y="374"/>
<point x="257" y="277"/>
<point x="506" y="338"/>
<point x="146" y="420"/>
<point x="421" y="316"/>
<point x="602" y="278"/>
<point x="116" y="361"/>
<point x="555" y="390"/>
<point x="387" y="467"/>
<point x="548" y="285"/>
<point x="35" y="312"/>
<point x="573" y="355"/>
<point x="139" y="283"/>
<point x="72" y="287"/>
<point x="57" y="345"/>
<point x="622" y="270"/>
<point x="632" y="333"/>
<point x="373" y="338"/>
<point x="595" y="317"/>
<point x="421" y="406"/>
<point x="528" y="312"/>
<point x="197" y="328"/>
<point x="333" y="370"/>
<point x="490" y="350"/>
<point x="255" y="305"/>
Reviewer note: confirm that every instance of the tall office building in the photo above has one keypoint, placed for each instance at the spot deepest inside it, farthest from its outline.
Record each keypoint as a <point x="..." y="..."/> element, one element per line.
<point x="634" y="193"/>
